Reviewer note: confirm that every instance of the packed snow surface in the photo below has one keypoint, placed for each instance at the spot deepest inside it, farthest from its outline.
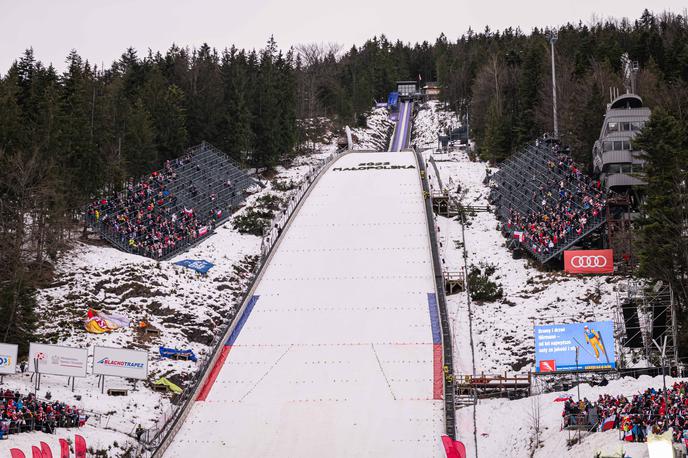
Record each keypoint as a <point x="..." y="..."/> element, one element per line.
<point x="336" y="358"/>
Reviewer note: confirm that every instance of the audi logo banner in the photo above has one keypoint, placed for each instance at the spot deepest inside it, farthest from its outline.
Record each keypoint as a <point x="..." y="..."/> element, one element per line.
<point x="589" y="261"/>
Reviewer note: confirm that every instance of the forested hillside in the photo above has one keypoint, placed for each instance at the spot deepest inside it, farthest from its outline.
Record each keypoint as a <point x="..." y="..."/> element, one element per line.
<point x="67" y="137"/>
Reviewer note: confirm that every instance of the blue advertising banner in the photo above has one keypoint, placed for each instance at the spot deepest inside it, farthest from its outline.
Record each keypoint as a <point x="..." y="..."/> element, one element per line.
<point x="555" y="347"/>
<point x="199" y="265"/>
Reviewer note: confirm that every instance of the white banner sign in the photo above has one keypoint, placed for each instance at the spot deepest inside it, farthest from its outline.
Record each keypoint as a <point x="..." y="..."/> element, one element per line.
<point x="57" y="360"/>
<point x="8" y="358"/>
<point x="120" y="362"/>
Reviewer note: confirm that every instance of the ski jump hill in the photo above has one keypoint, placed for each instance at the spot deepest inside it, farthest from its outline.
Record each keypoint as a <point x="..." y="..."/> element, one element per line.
<point x="338" y="351"/>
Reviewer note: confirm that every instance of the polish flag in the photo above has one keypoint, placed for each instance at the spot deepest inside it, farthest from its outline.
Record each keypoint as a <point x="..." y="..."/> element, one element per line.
<point x="188" y="212"/>
<point x="202" y="231"/>
<point x="608" y="423"/>
<point x="519" y="235"/>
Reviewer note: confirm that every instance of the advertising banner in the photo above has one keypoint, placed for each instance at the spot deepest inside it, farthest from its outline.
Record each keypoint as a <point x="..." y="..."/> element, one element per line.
<point x="58" y="360"/>
<point x="8" y="358"/>
<point x="120" y="362"/>
<point x="199" y="265"/>
<point x="589" y="261"/>
<point x="555" y="347"/>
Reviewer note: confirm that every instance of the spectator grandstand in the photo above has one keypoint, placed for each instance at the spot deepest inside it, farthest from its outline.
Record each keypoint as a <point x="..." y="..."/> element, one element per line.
<point x="20" y="414"/>
<point x="164" y="213"/>
<point x="652" y="411"/>
<point x="544" y="202"/>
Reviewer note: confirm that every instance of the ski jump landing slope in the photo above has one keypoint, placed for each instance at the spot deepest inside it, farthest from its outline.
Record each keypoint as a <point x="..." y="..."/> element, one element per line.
<point x="340" y="353"/>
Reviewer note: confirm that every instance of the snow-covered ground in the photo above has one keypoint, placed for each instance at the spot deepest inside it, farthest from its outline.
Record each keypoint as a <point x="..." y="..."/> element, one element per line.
<point x="187" y="308"/>
<point x="506" y="428"/>
<point x="376" y="136"/>
<point x="503" y="329"/>
<point x="432" y="119"/>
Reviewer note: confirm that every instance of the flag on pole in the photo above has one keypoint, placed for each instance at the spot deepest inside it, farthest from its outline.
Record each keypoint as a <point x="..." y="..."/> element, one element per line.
<point x="79" y="446"/>
<point x="45" y="450"/>
<point x="64" y="448"/>
<point x="519" y="235"/>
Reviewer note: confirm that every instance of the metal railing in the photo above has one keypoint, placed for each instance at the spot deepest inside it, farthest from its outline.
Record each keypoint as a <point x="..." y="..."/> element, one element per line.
<point x="447" y="347"/>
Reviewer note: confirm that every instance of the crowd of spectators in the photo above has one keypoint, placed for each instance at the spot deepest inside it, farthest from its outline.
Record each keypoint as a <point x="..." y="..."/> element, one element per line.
<point x="647" y="412"/>
<point x="146" y="217"/>
<point x="563" y="204"/>
<point x="20" y="414"/>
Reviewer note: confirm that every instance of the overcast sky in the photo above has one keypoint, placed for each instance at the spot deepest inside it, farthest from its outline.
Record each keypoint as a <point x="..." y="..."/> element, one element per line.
<point x="101" y="30"/>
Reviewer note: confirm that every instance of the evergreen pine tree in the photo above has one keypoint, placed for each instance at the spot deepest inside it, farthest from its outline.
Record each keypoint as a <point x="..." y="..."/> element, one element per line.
<point x="662" y="246"/>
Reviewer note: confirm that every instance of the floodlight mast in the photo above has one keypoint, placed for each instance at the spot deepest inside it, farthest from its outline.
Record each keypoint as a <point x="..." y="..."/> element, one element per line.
<point x="552" y="37"/>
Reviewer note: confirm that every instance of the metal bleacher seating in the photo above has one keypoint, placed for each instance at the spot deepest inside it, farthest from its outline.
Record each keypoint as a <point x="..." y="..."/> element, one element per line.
<point x="204" y="180"/>
<point x="523" y="176"/>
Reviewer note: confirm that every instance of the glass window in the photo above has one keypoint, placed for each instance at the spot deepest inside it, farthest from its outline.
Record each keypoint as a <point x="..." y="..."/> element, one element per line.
<point x="612" y="127"/>
<point x="618" y="145"/>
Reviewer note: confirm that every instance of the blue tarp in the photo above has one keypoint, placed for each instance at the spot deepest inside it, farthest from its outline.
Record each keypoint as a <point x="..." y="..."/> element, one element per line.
<point x="173" y="352"/>
<point x="199" y="265"/>
<point x="392" y="100"/>
<point x="434" y="319"/>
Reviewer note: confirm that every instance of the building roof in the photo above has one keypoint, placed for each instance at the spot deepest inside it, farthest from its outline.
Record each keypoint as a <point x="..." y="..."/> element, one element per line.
<point x="626" y="101"/>
<point x="621" y="179"/>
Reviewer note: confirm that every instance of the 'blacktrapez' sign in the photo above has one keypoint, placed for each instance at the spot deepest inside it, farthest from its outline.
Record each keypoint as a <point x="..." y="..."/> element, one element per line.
<point x="120" y="362"/>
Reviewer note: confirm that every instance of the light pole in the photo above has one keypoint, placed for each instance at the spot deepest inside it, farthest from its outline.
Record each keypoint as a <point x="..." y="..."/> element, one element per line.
<point x="577" y="373"/>
<point x="552" y="40"/>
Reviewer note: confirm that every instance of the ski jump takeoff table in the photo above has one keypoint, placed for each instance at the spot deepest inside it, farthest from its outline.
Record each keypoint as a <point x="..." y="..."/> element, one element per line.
<point x="337" y="353"/>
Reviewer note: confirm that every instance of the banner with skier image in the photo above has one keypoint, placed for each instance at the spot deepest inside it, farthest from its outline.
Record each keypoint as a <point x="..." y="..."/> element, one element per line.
<point x="575" y="347"/>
